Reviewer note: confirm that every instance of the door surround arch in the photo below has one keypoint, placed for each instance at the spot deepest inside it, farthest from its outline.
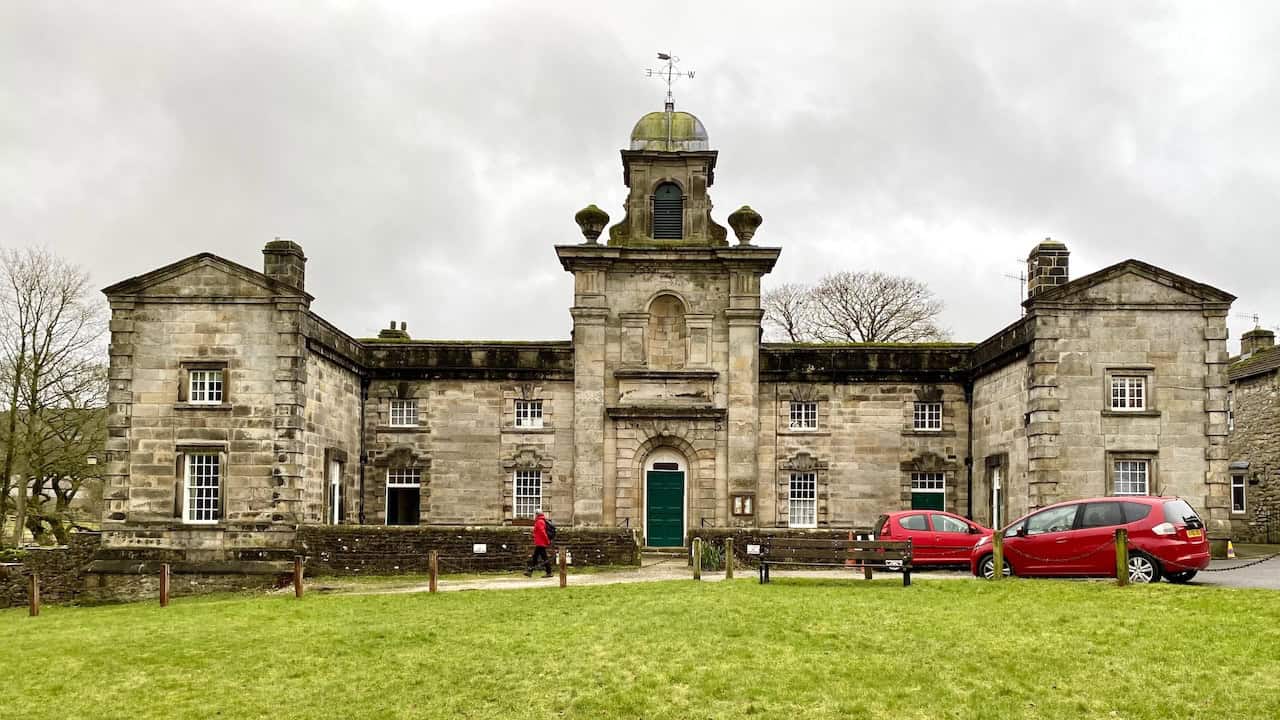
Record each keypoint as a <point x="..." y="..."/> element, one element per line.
<point x="666" y="458"/>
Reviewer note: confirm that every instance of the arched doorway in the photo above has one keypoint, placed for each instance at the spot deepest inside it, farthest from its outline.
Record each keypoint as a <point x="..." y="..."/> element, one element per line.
<point x="665" y="471"/>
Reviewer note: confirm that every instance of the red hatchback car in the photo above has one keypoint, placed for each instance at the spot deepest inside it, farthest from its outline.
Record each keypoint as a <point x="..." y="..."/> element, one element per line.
<point x="1076" y="538"/>
<point x="937" y="538"/>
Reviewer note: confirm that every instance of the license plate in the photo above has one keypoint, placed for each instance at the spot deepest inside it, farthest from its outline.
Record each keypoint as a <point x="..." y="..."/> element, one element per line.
<point x="1194" y="533"/>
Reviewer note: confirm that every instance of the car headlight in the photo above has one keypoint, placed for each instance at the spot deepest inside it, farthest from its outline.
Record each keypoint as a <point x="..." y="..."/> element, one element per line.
<point x="983" y="541"/>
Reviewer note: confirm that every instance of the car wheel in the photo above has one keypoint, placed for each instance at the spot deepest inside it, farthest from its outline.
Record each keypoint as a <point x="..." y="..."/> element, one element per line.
<point x="1180" y="577"/>
<point x="1142" y="569"/>
<point x="987" y="568"/>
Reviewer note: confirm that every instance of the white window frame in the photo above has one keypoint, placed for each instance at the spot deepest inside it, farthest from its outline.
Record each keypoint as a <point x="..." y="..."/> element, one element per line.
<point x="528" y="413"/>
<point x="195" y="468"/>
<point x="928" y="482"/>
<point x="403" y="413"/>
<point x="802" y="500"/>
<point x="204" y="386"/>
<point x="401" y="478"/>
<point x="1231" y="411"/>
<point x="334" y="511"/>
<point x="526" y="493"/>
<point x="927" y="417"/>
<point x="1128" y="393"/>
<point x="1238" y="481"/>
<point x="804" y="415"/>
<point x="1127" y="473"/>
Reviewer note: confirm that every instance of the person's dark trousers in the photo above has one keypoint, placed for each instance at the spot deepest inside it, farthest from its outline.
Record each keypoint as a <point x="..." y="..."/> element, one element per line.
<point x="540" y="557"/>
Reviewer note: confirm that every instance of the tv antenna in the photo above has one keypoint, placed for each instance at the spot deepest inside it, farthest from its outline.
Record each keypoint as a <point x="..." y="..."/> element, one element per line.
<point x="1021" y="277"/>
<point x="669" y="75"/>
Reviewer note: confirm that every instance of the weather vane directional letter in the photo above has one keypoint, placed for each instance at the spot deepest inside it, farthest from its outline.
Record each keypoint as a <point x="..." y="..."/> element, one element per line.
<point x="668" y="74"/>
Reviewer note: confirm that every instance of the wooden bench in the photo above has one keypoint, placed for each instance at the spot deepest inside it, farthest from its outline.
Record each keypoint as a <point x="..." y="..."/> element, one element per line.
<point x="864" y="555"/>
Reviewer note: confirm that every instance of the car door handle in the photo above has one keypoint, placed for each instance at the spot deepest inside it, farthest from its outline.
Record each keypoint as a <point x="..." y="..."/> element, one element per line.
<point x="1061" y="540"/>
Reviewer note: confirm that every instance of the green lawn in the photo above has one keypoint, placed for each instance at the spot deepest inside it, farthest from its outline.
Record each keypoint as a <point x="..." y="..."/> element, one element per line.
<point x="793" y="649"/>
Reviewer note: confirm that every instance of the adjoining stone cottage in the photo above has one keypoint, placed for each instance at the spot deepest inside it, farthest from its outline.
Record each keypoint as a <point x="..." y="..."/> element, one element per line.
<point x="1254" y="424"/>
<point x="238" y="415"/>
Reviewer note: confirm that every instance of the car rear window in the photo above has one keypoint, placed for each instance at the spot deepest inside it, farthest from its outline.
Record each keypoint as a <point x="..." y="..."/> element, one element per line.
<point x="913" y="522"/>
<point x="1179" y="512"/>
<point x="1133" y="512"/>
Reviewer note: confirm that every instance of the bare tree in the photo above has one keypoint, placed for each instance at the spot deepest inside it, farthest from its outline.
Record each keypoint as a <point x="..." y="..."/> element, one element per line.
<point x="50" y="333"/>
<point x="788" y="312"/>
<point x="869" y="307"/>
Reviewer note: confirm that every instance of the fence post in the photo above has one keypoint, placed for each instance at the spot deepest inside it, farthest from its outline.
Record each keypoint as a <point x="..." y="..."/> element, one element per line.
<point x="866" y="564"/>
<point x="297" y="576"/>
<point x="697" y="558"/>
<point x="1122" y="557"/>
<point x="33" y="595"/>
<point x="164" y="585"/>
<point x="564" y="572"/>
<point x="728" y="558"/>
<point x="433" y="569"/>
<point x="997" y="558"/>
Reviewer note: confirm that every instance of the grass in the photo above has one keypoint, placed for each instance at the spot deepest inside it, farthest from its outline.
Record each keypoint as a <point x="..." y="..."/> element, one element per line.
<point x="795" y="648"/>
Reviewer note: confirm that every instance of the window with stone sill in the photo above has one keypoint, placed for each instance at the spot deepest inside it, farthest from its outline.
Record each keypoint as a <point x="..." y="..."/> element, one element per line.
<point x="1131" y="477"/>
<point x="202" y="488"/>
<point x="1237" y="494"/>
<point x="528" y="413"/>
<point x="802" y="501"/>
<point x="527" y="493"/>
<point x="404" y="413"/>
<point x="804" y="415"/>
<point x="927" y="416"/>
<point x="202" y="383"/>
<point x="1128" y="392"/>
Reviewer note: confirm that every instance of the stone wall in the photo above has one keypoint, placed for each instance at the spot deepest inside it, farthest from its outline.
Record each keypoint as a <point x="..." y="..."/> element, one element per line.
<point x="356" y="550"/>
<point x="331" y="433"/>
<point x="60" y="570"/>
<point x="1000" y="441"/>
<point x="1255" y="454"/>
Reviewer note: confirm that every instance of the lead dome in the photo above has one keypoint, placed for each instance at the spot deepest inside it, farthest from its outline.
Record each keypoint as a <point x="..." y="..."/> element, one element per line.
<point x="669" y="131"/>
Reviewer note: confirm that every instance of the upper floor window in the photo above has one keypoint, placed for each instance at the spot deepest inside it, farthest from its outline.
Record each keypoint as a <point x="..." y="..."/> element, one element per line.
<point x="804" y="415"/>
<point x="205" y="387"/>
<point x="529" y="413"/>
<point x="668" y="212"/>
<point x="404" y="413"/>
<point x="1128" y="392"/>
<point x="927" y="416"/>
<point x="1132" y="477"/>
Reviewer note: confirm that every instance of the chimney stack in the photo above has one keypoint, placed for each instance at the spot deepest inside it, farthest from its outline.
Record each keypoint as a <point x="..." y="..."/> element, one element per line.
<point x="283" y="260"/>
<point x="1047" y="267"/>
<point x="391" y="333"/>
<point x="1255" y="340"/>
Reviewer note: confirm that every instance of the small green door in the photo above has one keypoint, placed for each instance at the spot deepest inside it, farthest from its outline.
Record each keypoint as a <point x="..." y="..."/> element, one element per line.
<point x="928" y="501"/>
<point x="664" y="509"/>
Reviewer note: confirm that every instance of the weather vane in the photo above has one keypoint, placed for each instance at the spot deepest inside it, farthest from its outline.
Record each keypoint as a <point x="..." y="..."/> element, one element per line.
<point x="669" y="74"/>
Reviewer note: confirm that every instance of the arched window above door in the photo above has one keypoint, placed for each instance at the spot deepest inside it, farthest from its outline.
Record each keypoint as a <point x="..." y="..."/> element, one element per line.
<point x="668" y="212"/>
<point x="666" y="333"/>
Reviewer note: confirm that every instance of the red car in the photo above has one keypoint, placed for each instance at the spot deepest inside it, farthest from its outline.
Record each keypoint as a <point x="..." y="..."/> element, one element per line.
<point x="937" y="538"/>
<point x="1076" y="538"/>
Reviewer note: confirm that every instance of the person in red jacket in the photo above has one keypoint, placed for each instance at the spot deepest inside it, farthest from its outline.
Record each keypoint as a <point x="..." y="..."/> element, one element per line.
<point x="541" y="543"/>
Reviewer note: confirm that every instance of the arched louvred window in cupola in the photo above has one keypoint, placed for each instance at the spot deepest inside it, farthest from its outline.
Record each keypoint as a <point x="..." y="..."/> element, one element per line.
<point x="668" y="212"/>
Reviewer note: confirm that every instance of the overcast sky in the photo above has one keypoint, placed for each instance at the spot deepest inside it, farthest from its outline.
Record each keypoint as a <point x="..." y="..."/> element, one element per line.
<point x="428" y="156"/>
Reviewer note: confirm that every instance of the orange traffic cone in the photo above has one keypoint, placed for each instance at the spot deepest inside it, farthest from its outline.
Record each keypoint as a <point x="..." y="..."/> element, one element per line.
<point x="1231" y="551"/>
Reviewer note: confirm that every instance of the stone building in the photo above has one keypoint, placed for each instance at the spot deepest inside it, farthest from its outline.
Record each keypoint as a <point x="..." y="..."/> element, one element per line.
<point x="1254" y="423"/>
<point x="238" y="414"/>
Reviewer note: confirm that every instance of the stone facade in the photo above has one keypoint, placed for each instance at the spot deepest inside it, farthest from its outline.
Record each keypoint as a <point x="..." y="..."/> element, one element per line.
<point x="664" y="376"/>
<point x="1254" y="439"/>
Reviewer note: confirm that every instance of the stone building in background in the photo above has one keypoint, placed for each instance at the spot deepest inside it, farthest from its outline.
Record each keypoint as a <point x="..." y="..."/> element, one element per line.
<point x="238" y="414"/>
<point x="1254" y="423"/>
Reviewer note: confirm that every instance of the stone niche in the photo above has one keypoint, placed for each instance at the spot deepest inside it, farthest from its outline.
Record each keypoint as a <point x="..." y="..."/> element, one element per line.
<point x="688" y="388"/>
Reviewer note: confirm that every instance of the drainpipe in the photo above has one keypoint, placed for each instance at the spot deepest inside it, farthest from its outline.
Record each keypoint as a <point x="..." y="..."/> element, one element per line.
<point x="364" y="455"/>
<point x="968" y="460"/>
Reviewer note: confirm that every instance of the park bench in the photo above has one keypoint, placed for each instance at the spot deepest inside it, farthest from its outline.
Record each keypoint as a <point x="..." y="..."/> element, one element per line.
<point x="864" y="555"/>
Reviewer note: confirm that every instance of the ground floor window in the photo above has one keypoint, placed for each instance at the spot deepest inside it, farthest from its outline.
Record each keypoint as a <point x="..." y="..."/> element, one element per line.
<point x="803" y="500"/>
<point x="202" y="484"/>
<point x="528" y="493"/>
<point x="928" y="491"/>
<point x="1132" y="477"/>
<point x="1237" y="493"/>
<point x="404" y="494"/>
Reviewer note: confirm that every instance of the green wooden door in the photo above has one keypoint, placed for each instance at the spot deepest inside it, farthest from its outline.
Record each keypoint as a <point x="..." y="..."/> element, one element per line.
<point x="664" y="509"/>
<point x="928" y="501"/>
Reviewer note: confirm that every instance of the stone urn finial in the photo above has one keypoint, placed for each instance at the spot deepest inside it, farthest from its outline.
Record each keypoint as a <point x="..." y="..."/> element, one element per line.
<point x="744" y="222"/>
<point x="592" y="220"/>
